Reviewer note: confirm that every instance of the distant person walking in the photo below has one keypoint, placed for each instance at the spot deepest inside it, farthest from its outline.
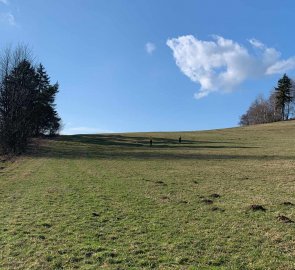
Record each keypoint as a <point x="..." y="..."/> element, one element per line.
<point x="179" y="140"/>
<point x="151" y="142"/>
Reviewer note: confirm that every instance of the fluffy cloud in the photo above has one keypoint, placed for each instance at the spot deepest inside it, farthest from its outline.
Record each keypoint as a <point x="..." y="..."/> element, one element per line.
<point x="150" y="47"/>
<point x="7" y="18"/>
<point x="5" y="2"/>
<point x="223" y="64"/>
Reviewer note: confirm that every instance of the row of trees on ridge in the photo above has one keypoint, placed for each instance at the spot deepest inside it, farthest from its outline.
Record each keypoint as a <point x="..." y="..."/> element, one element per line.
<point x="279" y="106"/>
<point x="27" y="98"/>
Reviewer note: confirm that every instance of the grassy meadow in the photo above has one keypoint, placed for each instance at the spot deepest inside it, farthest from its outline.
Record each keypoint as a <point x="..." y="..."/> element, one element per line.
<point x="111" y="201"/>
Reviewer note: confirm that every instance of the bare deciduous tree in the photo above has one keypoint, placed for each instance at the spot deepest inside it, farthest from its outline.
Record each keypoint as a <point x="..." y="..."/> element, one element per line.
<point x="279" y="106"/>
<point x="261" y="111"/>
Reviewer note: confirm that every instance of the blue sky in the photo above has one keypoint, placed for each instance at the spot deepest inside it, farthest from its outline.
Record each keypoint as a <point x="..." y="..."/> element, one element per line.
<point x="154" y="65"/>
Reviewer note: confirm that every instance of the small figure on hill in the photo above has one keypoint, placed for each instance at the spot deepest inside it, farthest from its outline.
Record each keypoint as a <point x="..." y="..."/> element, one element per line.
<point x="179" y="140"/>
<point x="151" y="142"/>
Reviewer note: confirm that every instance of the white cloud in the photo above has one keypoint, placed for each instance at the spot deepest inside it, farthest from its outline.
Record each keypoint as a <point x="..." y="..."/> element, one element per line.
<point x="150" y="47"/>
<point x="281" y="66"/>
<point x="83" y="130"/>
<point x="256" y="43"/>
<point x="8" y="18"/>
<point x="223" y="64"/>
<point x="5" y="2"/>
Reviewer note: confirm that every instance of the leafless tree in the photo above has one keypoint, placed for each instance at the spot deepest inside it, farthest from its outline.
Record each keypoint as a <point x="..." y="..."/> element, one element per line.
<point x="16" y="98"/>
<point x="261" y="111"/>
<point x="11" y="57"/>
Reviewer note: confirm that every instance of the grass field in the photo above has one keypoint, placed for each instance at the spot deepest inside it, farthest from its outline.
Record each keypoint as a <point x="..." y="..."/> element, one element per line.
<point x="113" y="202"/>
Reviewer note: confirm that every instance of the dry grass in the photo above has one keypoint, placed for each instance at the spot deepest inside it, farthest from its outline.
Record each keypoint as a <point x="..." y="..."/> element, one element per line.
<point x="113" y="202"/>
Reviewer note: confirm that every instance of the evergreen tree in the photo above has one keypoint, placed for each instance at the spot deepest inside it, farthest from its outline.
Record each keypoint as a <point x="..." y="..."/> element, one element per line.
<point x="27" y="99"/>
<point x="283" y="96"/>
<point x="47" y="120"/>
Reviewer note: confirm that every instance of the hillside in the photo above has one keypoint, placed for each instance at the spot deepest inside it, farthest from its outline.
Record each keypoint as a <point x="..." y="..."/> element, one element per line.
<point x="111" y="201"/>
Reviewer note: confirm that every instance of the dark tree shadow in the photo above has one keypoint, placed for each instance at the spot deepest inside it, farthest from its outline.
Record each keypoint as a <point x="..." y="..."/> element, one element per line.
<point x="136" y="141"/>
<point x="128" y="147"/>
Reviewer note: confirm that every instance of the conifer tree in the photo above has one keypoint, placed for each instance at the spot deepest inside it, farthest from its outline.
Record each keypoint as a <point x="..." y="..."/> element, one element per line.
<point x="27" y="98"/>
<point x="47" y="120"/>
<point x="283" y="96"/>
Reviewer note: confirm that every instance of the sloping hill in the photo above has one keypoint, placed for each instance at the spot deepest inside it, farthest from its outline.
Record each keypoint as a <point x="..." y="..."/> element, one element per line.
<point x="113" y="202"/>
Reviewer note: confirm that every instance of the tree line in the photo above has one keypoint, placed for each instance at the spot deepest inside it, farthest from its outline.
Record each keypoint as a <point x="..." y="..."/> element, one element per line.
<point x="27" y="97"/>
<point x="279" y="106"/>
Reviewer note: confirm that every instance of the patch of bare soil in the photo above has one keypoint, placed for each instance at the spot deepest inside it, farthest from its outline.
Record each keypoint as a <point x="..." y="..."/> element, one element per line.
<point x="217" y="209"/>
<point x="287" y="203"/>
<point x="284" y="219"/>
<point x="215" y="195"/>
<point x="257" y="207"/>
<point x="207" y="201"/>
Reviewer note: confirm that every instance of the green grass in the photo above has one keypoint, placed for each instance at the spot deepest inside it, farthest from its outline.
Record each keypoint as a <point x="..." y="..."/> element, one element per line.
<point x="113" y="202"/>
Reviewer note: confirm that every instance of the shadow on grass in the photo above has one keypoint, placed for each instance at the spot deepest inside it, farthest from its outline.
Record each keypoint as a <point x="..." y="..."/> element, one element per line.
<point x="132" y="141"/>
<point x="127" y="147"/>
